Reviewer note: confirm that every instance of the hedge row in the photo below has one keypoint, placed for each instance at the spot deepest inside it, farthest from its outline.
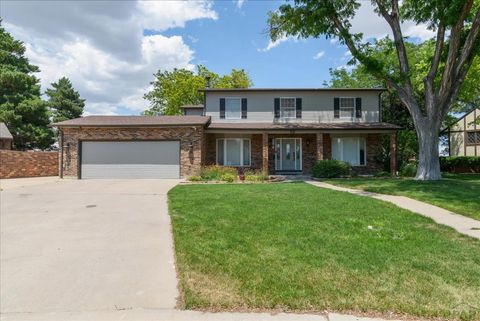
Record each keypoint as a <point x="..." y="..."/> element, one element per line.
<point x="460" y="164"/>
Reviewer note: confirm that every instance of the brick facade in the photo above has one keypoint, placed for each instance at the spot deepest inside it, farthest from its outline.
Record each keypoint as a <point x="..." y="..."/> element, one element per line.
<point x="310" y="151"/>
<point x="15" y="164"/>
<point x="255" y="149"/>
<point x="374" y="148"/>
<point x="191" y="141"/>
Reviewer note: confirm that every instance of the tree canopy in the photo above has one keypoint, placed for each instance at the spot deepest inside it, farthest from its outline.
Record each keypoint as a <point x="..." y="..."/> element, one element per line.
<point x="64" y="101"/>
<point x="172" y="89"/>
<point x="21" y="108"/>
<point x="428" y="92"/>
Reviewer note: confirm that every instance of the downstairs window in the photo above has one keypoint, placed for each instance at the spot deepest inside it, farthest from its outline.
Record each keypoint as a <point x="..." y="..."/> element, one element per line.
<point x="350" y="150"/>
<point x="233" y="152"/>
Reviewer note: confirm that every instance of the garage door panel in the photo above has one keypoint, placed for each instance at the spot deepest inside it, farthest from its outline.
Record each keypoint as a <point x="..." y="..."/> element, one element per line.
<point x="133" y="159"/>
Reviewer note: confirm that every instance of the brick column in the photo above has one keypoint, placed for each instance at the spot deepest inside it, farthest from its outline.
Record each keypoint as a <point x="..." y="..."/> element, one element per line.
<point x="265" y="152"/>
<point x="393" y="153"/>
<point x="319" y="146"/>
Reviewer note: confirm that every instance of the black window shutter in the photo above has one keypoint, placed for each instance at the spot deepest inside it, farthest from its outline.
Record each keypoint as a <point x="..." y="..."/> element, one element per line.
<point x="336" y="107"/>
<point x="298" y="108"/>
<point x="222" y="107"/>
<point x="277" y="107"/>
<point x="244" y="108"/>
<point x="358" y="107"/>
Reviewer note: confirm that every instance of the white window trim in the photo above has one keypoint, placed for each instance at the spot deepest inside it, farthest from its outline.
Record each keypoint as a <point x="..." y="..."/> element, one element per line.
<point x="295" y="107"/>
<point x="354" y="107"/>
<point x="358" y="148"/>
<point x="295" y="148"/>
<point x="237" y="98"/>
<point x="241" y="151"/>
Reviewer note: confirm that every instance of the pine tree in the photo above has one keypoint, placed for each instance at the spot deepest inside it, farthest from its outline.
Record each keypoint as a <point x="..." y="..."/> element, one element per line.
<point x="21" y="108"/>
<point x="64" y="101"/>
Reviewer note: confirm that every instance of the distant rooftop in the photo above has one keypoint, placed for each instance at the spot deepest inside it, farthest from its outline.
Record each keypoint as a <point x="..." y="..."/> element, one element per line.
<point x="4" y="132"/>
<point x="191" y="106"/>
<point x="289" y="89"/>
<point x="138" y="121"/>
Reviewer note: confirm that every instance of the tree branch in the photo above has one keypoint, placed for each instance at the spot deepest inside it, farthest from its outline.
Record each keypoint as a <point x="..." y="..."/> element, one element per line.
<point x="429" y="80"/>
<point x="393" y="20"/>
<point x="470" y="41"/>
<point x="454" y="46"/>
<point x="407" y="98"/>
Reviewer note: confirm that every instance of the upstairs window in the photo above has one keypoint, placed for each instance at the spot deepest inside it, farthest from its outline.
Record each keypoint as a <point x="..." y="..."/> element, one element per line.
<point x="473" y="137"/>
<point x="287" y="107"/>
<point x="347" y="107"/>
<point x="233" y="108"/>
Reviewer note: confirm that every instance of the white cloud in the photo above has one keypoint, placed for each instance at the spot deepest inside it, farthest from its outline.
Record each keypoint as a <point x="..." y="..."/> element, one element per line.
<point x="319" y="55"/>
<point x="101" y="46"/>
<point x="333" y="41"/>
<point x="239" y="3"/>
<point x="192" y="39"/>
<point x="272" y="44"/>
<point x="163" y="15"/>
<point x="372" y="25"/>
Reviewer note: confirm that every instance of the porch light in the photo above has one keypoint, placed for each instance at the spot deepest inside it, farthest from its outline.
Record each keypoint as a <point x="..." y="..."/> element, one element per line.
<point x="190" y="146"/>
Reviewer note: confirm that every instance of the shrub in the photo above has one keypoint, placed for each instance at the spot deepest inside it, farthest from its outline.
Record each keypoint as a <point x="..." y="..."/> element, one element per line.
<point x="215" y="172"/>
<point x="408" y="170"/>
<point x="330" y="168"/>
<point x="382" y="174"/>
<point x="195" y="178"/>
<point x="255" y="176"/>
<point x="460" y="164"/>
<point x="228" y="177"/>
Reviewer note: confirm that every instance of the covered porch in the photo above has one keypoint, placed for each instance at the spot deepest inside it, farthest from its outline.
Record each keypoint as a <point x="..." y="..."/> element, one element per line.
<point x="295" y="152"/>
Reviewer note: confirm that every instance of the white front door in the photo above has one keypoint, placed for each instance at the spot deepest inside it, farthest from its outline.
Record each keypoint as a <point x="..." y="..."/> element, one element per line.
<point x="288" y="154"/>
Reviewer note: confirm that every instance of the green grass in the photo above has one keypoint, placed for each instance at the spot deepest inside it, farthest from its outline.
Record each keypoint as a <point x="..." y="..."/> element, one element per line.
<point x="459" y="193"/>
<point x="296" y="247"/>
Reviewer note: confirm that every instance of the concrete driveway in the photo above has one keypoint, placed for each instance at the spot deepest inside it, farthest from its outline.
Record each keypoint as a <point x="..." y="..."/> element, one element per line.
<point x="85" y="245"/>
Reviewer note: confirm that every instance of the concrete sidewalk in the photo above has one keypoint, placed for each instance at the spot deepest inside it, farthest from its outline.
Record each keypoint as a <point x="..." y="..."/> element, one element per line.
<point x="462" y="224"/>
<point x="176" y="315"/>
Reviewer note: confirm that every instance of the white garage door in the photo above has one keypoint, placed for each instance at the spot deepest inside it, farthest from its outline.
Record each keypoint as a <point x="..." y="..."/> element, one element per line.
<point x="133" y="159"/>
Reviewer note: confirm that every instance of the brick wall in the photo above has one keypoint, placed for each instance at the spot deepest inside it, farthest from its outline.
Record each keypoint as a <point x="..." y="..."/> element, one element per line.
<point x="374" y="147"/>
<point x="255" y="149"/>
<point x="309" y="151"/>
<point x="190" y="159"/>
<point x="15" y="164"/>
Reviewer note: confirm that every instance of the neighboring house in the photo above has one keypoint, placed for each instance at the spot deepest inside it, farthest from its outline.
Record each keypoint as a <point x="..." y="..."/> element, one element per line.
<point x="6" y="137"/>
<point x="464" y="135"/>
<point x="192" y="110"/>
<point x="275" y="130"/>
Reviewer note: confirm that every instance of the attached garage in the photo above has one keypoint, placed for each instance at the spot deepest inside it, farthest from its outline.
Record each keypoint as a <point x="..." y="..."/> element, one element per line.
<point x="130" y="159"/>
<point x="131" y="146"/>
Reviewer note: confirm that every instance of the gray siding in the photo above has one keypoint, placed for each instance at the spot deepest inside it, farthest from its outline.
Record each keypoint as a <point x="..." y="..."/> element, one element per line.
<point x="193" y="112"/>
<point x="317" y="106"/>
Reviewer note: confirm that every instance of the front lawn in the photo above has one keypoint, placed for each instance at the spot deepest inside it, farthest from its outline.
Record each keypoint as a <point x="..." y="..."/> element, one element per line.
<point x="459" y="193"/>
<point x="296" y="247"/>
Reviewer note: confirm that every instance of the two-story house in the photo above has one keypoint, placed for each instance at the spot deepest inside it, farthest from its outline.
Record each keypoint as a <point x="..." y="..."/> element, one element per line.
<point x="277" y="130"/>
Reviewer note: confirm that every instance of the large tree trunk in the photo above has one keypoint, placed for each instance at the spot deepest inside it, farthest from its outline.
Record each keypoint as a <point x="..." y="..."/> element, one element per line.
<point x="428" y="167"/>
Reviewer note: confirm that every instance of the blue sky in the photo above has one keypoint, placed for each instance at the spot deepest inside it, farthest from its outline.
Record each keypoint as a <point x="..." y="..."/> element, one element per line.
<point x="238" y="38"/>
<point x="111" y="49"/>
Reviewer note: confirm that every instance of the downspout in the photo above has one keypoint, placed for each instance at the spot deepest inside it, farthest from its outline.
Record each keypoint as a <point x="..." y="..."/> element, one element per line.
<point x="61" y="153"/>
<point x="380" y="107"/>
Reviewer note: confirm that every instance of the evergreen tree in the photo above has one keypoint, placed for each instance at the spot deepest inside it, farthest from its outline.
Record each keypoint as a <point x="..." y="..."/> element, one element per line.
<point x="21" y="108"/>
<point x="64" y="101"/>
